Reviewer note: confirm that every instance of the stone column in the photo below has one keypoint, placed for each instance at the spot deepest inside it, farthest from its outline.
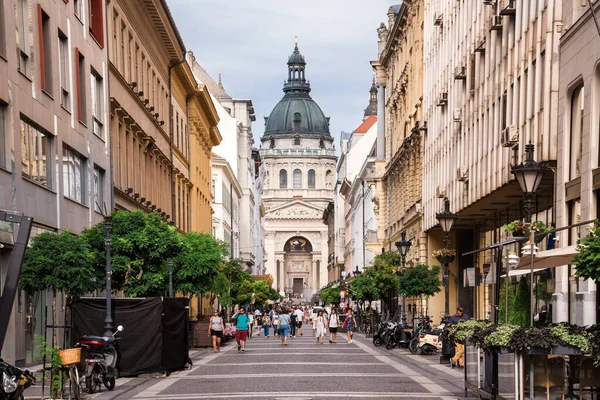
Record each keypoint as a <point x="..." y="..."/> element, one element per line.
<point x="380" y="121"/>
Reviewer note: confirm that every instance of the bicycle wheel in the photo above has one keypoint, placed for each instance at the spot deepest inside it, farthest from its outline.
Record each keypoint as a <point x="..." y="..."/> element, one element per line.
<point x="413" y="346"/>
<point x="74" y="382"/>
<point x="92" y="381"/>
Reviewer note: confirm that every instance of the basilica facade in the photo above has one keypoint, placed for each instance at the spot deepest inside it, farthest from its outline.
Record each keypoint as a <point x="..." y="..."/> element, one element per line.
<point x="299" y="158"/>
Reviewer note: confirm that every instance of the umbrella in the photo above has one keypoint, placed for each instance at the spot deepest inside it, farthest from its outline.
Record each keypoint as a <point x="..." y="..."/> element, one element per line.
<point x="546" y="259"/>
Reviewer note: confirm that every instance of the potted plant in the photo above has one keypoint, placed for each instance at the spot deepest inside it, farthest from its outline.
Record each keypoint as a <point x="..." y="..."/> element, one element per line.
<point x="538" y="227"/>
<point x="464" y="330"/>
<point x="533" y="340"/>
<point x="445" y="256"/>
<point x="517" y="227"/>
<point x="572" y="339"/>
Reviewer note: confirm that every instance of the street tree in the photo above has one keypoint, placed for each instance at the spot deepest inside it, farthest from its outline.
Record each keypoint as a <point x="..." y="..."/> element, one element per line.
<point x="196" y="267"/>
<point x="587" y="258"/>
<point x="229" y="282"/>
<point x="362" y="288"/>
<point x="383" y="272"/>
<point x="420" y="280"/>
<point x="141" y="244"/>
<point x="60" y="263"/>
<point x="330" y="295"/>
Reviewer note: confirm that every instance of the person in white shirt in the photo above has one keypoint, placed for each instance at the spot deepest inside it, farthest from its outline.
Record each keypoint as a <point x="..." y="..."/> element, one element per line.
<point x="334" y="322"/>
<point x="300" y="315"/>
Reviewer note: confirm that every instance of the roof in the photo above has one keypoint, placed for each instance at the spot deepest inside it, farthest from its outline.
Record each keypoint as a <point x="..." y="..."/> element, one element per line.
<point x="213" y="87"/>
<point x="395" y="8"/>
<point x="366" y="125"/>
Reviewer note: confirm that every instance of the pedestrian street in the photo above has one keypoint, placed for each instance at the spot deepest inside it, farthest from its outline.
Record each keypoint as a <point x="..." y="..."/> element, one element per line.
<point x="302" y="370"/>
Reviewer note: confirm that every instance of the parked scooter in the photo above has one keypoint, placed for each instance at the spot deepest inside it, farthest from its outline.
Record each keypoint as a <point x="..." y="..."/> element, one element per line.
<point x="383" y="332"/>
<point x="14" y="381"/>
<point x="400" y="336"/>
<point x="430" y="342"/>
<point x="99" y="361"/>
<point x="425" y="325"/>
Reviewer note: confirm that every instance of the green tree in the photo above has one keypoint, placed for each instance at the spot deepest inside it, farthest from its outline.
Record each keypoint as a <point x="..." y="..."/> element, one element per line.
<point x="362" y="288"/>
<point x="587" y="258"/>
<point x="420" y="280"/>
<point x="383" y="272"/>
<point x="511" y="302"/>
<point x="522" y="304"/>
<point x="230" y="283"/>
<point x="197" y="265"/>
<point x="59" y="263"/>
<point x="141" y="244"/>
<point x="330" y="295"/>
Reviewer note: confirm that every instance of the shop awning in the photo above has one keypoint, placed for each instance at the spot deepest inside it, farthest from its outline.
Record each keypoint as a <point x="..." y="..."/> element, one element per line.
<point x="545" y="259"/>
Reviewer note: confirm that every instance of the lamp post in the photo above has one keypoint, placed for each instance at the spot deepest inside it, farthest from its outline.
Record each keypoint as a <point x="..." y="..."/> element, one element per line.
<point x="356" y="272"/>
<point x="403" y="246"/>
<point x="529" y="174"/>
<point x="446" y="219"/>
<point x="108" y="322"/>
<point x="170" y="263"/>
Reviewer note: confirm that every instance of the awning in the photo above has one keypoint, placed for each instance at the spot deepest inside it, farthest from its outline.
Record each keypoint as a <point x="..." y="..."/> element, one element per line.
<point x="546" y="259"/>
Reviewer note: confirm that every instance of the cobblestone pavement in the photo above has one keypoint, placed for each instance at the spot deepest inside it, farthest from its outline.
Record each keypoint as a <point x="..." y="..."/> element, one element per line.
<point x="300" y="370"/>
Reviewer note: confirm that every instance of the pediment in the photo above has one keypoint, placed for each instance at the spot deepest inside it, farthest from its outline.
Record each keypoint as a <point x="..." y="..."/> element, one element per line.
<point x="295" y="210"/>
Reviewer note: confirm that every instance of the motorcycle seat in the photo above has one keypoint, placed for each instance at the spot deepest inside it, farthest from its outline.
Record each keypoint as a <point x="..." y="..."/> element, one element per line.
<point x="436" y="332"/>
<point x="92" y="339"/>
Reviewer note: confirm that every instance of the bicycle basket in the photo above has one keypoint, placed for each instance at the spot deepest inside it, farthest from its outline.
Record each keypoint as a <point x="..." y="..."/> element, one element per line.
<point x="70" y="356"/>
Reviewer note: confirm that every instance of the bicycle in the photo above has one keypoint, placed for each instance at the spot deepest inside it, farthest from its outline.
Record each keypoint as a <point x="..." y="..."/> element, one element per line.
<point x="70" y="359"/>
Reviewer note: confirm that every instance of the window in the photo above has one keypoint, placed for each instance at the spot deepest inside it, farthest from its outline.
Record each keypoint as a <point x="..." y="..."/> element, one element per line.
<point x="63" y="62"/>
<point x="45" y="50"/>
<point x="311" y="178"/>
<point x="80" y="76"/>
<point x="296" y="141"/>
<point x="297" y="179"/>
<point x="96" y="21"/>
<point x="78" y="6"/>
<point x="321" y="143"/>
<point x="283" y="179"/>
<point x="297" y="121"/>
<point x="35" y="148"/>
<point x="98" y="188"/>
<point x="97" y="92"/>
<point x="272" y="143"/>
<point x="577" y="105"/>
<point x="73" y="174"/>
<point x="2" y="135"/>
<point x="23" y="39"/>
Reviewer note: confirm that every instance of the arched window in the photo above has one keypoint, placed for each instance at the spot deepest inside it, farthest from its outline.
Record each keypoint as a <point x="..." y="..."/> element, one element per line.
<point x="322" y="143"/>
<point x="297" y="120"/>
<point x="311" y="178"/>
<point x="577" y="106"/>
<point x="329" y="179"/>
<point x="297" y="179"/>
<point x="297" y="141"/>
<point x="283" y="179"/>
<point x="272" y="143"/>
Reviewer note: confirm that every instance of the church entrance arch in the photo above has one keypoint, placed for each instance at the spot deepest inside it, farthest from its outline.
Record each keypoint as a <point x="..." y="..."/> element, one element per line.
<point x="298" y="267"/>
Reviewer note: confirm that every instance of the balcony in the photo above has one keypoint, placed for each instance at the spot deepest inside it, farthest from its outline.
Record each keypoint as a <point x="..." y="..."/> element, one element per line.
<point x="371" y="236"/>
<point x="298" y="152"/>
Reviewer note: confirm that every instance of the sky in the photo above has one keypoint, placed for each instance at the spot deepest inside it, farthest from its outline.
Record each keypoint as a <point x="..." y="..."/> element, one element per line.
<point x="249" y="42"/>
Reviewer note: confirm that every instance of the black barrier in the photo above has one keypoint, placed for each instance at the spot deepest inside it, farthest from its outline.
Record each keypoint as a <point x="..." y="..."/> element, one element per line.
<point x="155" y="335"/>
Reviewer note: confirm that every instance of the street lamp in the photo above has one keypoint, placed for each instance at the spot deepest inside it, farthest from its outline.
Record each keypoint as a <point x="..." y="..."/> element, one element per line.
<point x="356" y="272"/>
<point x="403" y="246"/>
<point x="108" y="322"/>
<point x="446" y="219"/>
<point x="529" y="174"/>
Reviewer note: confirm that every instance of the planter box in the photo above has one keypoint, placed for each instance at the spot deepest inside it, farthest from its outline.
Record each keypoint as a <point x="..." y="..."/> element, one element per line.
<point x="201" y="338"/>
<point x="537" y="351"/>
<point x="567" y="350"/>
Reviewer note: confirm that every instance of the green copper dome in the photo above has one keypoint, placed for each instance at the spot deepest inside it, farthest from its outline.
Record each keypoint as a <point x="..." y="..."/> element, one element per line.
<point x="296" y="112"/>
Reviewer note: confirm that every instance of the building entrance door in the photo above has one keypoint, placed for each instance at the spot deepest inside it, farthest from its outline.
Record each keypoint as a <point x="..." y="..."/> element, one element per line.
<point x="298" y="285"/>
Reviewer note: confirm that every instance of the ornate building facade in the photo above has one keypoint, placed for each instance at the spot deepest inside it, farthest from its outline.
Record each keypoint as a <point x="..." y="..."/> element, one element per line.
<point x="297" y="151"/>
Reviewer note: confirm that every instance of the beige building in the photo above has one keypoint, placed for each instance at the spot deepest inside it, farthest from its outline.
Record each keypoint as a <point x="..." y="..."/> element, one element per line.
<point x="577" y="175"/>
<point x="54" y="139"/>
<point x="490" y="86"/>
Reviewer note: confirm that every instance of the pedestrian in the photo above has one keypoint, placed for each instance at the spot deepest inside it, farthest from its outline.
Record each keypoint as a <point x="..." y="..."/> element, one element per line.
<point x="275" y="323"/>
<point x="293" y="322"/>
<point x="257" y="318"/>
<point x="284" y="325"/>
<point x="215" y="330"/>
<point x="242" y="324"/>
<point x="266" y="321"/>
<point x="319" y="327"/>
<point x="299" y="318"/>
<point x="349" y="325"/>
<point x="540" y="318"/>
<point x="459" y="348"/>
<point x="251" y="318"/>
<point x="334" y="322"/>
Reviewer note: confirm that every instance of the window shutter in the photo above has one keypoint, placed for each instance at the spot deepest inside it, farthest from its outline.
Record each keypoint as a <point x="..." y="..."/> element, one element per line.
<point x="41" y="40"/>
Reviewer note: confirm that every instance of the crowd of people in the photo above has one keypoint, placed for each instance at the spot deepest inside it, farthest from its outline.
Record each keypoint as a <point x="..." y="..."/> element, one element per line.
<point x="284" y="322"/>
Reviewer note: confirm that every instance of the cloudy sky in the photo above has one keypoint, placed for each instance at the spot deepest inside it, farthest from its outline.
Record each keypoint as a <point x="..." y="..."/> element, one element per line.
<point x="249" y="41"/>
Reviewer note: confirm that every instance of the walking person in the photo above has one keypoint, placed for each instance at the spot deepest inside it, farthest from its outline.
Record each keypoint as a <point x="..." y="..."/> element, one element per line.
<point x="266" y="322"/>
<point x="350" y="325"/>
<point x="275" y="323"/>
<point x="319" y="327"/>
<point x="251" y="318"/>
<point x="242" y="325"/>
<point x="334" y="322"/>
<point x="215" y="330"/>
<point x="293" y="322"/>
<point x="284" y="325"/>
<point x="459" y="348"/>
<point x="299" y="318"/>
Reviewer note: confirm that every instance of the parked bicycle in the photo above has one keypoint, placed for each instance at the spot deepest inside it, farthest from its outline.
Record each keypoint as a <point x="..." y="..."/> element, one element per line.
<point x="70" y="360"/>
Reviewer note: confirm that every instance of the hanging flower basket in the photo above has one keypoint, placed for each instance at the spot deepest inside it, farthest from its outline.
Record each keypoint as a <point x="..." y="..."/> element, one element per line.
<point x="445" y="259"/>
<point x="445" y="256"/>
<point x="520" y="233"/>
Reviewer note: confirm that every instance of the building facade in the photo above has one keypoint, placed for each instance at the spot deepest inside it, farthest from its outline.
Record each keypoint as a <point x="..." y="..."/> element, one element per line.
<point x="297" y="150"/>
<point x="54" y="138"/>
<point x="227" y="194"/>
<point x="574" y="299"/>
<point x="490" y="86"/>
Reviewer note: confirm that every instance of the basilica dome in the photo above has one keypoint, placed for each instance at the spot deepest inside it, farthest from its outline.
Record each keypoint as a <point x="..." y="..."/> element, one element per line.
<point x="296" y="112"/>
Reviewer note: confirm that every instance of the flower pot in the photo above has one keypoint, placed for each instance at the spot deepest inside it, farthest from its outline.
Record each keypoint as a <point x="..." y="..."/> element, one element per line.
<point x="537" y="350"/>
<point x="445" y="259"/>
<point x="520" y="233"/>
<point x="537" y="239"/>
<point x="566" y="350"/>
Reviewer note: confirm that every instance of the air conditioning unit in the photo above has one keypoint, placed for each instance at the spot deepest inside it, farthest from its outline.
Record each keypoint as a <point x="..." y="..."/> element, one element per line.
<point x="507" y="7"/>
<point x="437" y="20"/>
<point x="510" y="136"/>
<point x="460" y="73"/>
<point x="440" y="191"/>
<point x="443" y="100"/>
<point x="496" y="23"/>
<point x="462" y="174"/>
<point x="457" y="115"/>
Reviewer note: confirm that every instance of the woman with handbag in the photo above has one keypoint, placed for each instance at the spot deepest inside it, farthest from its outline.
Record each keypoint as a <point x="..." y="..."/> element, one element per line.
<point x="334" y="322"/>
<point x="349" y="325"/>
<point x="320" y="327"/>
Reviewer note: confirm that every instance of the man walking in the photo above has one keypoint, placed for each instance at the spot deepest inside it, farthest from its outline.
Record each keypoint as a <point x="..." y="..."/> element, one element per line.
<point x="242" y="325"/>
<point x="293" y="320"/>
<point x="459" y="347"/>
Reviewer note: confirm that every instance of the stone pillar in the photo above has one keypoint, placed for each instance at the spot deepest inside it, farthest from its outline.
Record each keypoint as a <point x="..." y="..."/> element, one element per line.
<point x="380" y="121"/>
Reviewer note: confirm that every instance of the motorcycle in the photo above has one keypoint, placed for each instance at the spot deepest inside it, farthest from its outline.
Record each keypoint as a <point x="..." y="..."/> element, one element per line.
<point x="430" y="342"/>
<point x="14" y="381"/>
<point x="99" y="360"/>
<point x="379" y="338"/>
<point x="400" y="336"/>
<point x="425" y="325"/>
